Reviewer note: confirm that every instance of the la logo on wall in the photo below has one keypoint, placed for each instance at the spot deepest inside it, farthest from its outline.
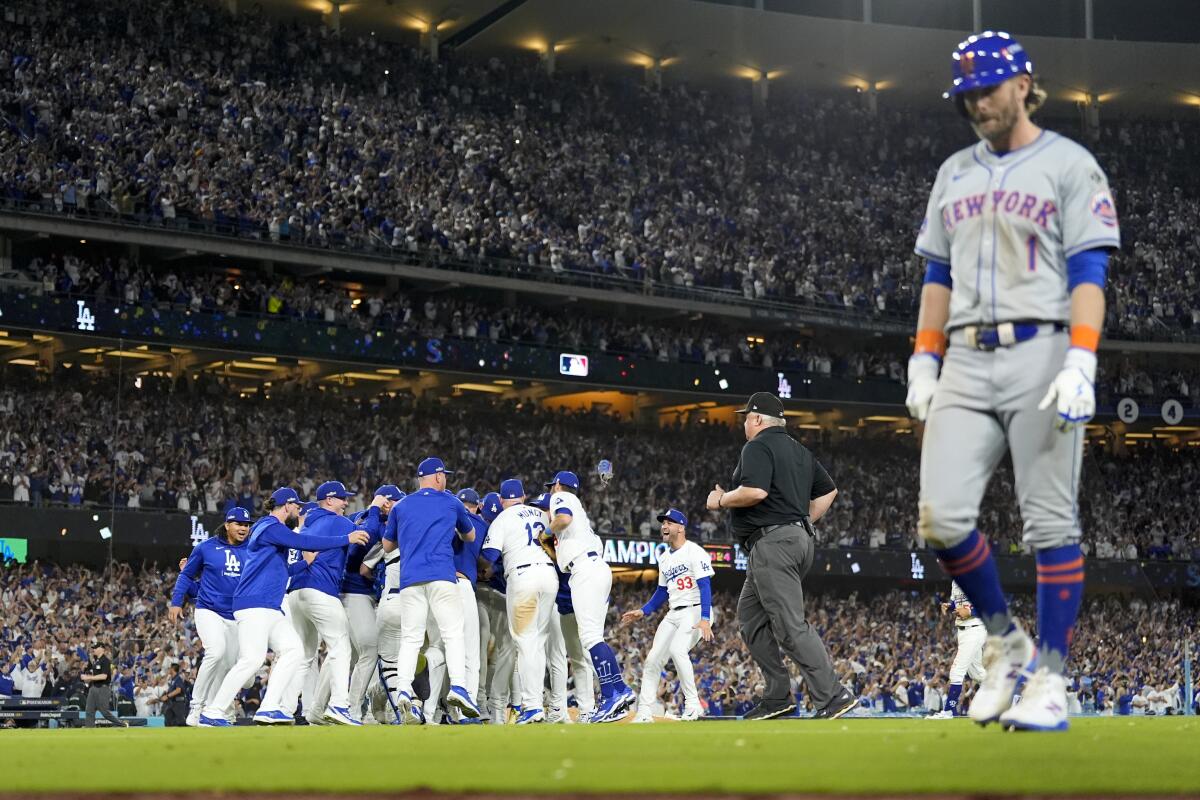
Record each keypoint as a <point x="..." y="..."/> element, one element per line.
<point x="85" y="320"/>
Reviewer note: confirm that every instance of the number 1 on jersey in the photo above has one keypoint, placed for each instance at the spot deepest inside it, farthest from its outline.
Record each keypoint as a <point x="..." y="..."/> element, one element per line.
<point x="1032" y="244"/>
<point x="529" y="531"/>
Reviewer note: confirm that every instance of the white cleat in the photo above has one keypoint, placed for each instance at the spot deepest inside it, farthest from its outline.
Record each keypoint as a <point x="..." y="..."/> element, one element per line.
<point x="1005" y="659"/>
<point x="193" y="719"/>
<point x="643" y="717"/>
<point x="585" y="717"/>
<point x="1043" y="705"/>
<point x="690" y="715"/>
<point x="558" y="716"/>
<point x="339" y="715"/>
<point x="943" y="714"/>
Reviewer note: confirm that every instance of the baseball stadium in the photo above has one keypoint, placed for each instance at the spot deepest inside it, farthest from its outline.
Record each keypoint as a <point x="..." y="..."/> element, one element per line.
<point x="744" y="398"/>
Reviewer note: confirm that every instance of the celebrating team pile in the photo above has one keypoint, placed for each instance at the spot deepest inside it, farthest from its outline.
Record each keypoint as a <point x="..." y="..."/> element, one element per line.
<point x="399" y="583"/>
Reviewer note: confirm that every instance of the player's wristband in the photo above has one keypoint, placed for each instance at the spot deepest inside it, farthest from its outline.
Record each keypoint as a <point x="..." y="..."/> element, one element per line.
<point x="932" y="341"/>
<point x="1085" y="337"/>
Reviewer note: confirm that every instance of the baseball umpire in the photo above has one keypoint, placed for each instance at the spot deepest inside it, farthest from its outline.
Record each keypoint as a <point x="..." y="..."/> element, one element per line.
<point x="781" y="490"/>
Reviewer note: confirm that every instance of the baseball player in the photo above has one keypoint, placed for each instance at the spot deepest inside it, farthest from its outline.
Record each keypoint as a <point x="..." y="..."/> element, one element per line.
<point x="215" y="566"/>
<point x="685" y="586"/>
<point x="257" y="609"/>
<point x="426" y="522"/>
<point x="316" y="607"/>
<point x="516" y="534"/>
<point x="563" y="648"/>
<point x="968" y="658"/>
<point x="1016" y="236"/>
<point x="578" y="549"/>
<point x="358" y="596"/>
<point x="497" y="668"/>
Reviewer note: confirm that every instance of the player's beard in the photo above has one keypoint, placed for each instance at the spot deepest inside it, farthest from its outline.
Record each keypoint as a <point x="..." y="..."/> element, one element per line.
<point x="1002" y="118"/>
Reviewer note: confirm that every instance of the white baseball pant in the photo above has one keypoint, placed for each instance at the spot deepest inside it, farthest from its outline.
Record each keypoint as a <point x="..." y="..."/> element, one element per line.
<point x="417" y="602"/>
<point x="258" y="629"/>
<point x="388" y="622"/>
<point x="530" y="600"/>
<point x="435" y="655"/>
<point x="364" y="646"/>
<point x="591" y="583"/>
<point x="581" y="665"/>
<point x="674" y="640"/>
<point x="484" y="611"/>
<point x="556" y="661"/>
<point x="503" y="659"/>
<point x="968" y="660"/>
<point x="219" y="637"/>
<point x="319" y="617"/>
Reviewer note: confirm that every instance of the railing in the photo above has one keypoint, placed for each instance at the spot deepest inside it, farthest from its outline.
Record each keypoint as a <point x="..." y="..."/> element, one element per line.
<point x="377" y="347"/>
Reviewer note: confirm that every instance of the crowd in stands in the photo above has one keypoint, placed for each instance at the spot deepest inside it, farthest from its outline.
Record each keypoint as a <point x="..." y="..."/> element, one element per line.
<point x="197" y="446"/>
<point x="892" y="649"/>
<point x="368" y="307"/>
<point x="170" y="110"/>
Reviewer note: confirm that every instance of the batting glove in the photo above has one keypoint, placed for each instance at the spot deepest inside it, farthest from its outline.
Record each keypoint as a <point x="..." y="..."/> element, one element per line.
<point x="923" y="371"/>
<point x="1073" y="390"/>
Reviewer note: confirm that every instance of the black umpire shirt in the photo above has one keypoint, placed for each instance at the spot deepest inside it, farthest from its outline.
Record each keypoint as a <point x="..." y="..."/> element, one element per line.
<point x="99" y="666"/>
<point x="775" y="461"/>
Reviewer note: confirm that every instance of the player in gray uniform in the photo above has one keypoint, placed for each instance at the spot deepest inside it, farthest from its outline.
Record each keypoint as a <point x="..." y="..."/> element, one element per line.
<point x="1016" y="236"/>
<point x="968" y="657"/>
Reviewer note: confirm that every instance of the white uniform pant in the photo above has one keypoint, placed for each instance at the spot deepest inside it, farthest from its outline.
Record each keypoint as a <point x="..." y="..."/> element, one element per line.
<point x="389" y="625"/>
<point x="591" y="583"/>
<point x="674" y="640"/>
<point x="581" y="664"/>
<point x="319" y="617"/>
<point x="502" y="661"/>
<point x="435" y="655"/>
<point x="440" y="599"/>
<point x="968" y="660"/>
<point x="364" y="646"/>
<point x="219" y="637"/>
<point x="530" y="601"/>
<point x="484" y="612"/>
<point x="258" y="629"/>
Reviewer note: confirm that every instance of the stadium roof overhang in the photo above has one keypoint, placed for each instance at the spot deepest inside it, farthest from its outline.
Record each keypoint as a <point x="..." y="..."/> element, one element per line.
<point x="708" y="43"/>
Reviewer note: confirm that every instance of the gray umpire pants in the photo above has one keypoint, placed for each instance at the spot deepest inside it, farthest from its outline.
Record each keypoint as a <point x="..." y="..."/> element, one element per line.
<point x="771" y="616"/>
<point x="99" y="698"/>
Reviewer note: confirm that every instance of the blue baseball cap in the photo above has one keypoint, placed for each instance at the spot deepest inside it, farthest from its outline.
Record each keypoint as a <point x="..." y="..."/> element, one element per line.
<point x="511" y="489"/>
<point x="307" y="507"/>
<point x="673" y="515"/>
<point x="491" y="507"/>
<point x="238" y="514"/>
<point x="987" y="59"/>
<point x="566" y="478"/>
<point x="468" y="495"/>
<point x="390" y="491"/>
<point x="284" y="494"/>
<point x="432" y="466"/>
<point x="333" y="489"/>
<point x="542" y="501"/>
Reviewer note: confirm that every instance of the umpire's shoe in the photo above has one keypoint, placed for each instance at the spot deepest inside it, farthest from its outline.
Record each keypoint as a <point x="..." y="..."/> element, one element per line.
<point x="770" y="709"/>
<point x="842" y="705"/>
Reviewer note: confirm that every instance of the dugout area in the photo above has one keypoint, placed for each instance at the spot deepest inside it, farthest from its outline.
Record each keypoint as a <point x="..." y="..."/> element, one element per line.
<point x="1100" y="756"/>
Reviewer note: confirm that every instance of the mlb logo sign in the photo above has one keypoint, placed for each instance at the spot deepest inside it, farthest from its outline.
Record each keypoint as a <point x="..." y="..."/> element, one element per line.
<point x="573" y="365"/>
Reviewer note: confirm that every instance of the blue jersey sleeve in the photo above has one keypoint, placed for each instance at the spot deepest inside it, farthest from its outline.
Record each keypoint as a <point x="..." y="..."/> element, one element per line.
<point x="302" y="541"/>
<point x="463" y="518"/>
<point x="1090" y="266"/>
<point x="188" y="576"/>
<point x="656" y="600"/>
<point x="705" y="585"/>
<point x="491" y="554"/>
<point x="391" y="528"/>
<point x="372" y="523"/>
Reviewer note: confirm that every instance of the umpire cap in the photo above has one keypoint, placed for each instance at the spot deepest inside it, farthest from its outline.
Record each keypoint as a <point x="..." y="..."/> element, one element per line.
<point x="763" y="403"/>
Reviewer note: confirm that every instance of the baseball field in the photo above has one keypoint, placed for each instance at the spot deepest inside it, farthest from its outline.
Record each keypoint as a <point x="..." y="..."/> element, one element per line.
<point x="894" y="757"/>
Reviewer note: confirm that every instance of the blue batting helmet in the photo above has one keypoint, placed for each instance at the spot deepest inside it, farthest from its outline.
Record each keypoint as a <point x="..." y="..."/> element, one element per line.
<point x="986" y="59"/>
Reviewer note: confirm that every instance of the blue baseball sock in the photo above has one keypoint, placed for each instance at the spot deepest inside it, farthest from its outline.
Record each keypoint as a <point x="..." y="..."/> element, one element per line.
<point x="1059" y="592"/>
<point x="952" y="697"/>
<point x="605" y="662"/>
<point x="971" y="565"/>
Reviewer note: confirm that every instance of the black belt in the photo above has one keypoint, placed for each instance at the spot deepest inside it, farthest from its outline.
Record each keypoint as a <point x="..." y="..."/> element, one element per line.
<point x="534" y="564"/>
<point x="588" y="554"/>
<point x="759" y="533"/>
<point x="689" y="605"/>
<point x="394" y="591"/>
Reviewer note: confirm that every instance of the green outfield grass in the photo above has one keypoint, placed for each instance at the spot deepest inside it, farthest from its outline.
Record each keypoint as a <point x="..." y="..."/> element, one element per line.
<point x="1098" y="756"/>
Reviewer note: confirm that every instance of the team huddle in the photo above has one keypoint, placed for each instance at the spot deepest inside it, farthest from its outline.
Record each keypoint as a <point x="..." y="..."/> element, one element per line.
<point x="498" y="598"/>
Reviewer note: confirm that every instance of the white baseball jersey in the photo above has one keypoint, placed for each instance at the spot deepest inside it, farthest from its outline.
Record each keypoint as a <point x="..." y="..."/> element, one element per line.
<point x="1006" y="225"/>
<point x="516" y="533"/>
<point x="578" y="537"/>
<point x="959" y="598"/>
<point x="680" y="570"/>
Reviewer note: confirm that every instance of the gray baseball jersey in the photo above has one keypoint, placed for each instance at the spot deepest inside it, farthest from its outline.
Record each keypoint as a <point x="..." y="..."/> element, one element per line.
<point x="1006" y="225"/>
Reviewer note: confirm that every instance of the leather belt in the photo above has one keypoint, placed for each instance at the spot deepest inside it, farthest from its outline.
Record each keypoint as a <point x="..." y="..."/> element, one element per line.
<point x="534" y="564"/>
<point x="588" y="554"/>
<point x="970" y="625"/>
<point x="753" y="538"/>
<point x="1006" y="334"/>
<point x="689" y="605"/>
